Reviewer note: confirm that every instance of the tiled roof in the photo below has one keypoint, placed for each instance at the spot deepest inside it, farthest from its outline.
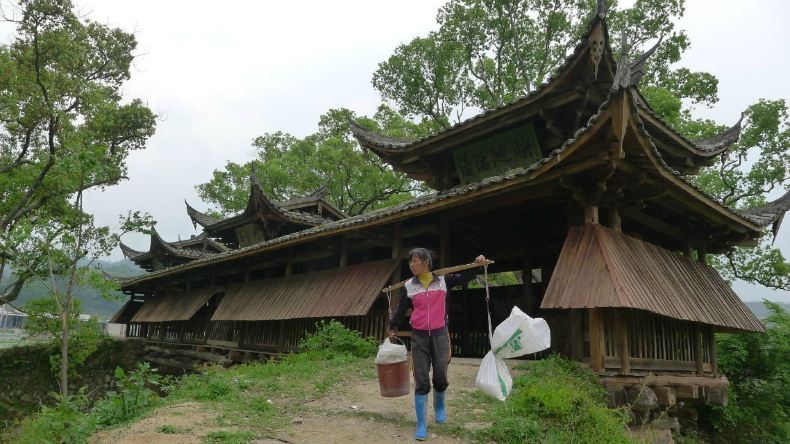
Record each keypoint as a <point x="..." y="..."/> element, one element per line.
<point x="771" y="213"/>
<point x="369" y="139"/>
<point x="418" y="202"/>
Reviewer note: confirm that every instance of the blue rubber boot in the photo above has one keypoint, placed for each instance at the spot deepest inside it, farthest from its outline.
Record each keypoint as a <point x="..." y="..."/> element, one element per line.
<point x="438" y="407"/>
<point x="421" y="408"/>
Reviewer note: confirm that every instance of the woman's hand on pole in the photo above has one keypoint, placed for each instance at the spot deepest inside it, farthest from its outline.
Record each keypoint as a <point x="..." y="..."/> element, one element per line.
<point x="480" y="258"/>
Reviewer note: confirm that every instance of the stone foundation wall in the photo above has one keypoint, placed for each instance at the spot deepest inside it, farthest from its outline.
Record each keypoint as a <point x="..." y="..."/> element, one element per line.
<point x="27" y="381"/>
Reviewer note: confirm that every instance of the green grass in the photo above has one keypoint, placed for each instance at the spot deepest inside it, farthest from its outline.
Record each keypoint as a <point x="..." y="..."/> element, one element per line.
<point x="262" y="397"/>
<point x="224" y="437"/>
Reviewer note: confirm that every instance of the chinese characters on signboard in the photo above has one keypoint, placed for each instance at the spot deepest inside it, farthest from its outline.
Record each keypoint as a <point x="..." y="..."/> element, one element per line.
<point x="495" y="155"/>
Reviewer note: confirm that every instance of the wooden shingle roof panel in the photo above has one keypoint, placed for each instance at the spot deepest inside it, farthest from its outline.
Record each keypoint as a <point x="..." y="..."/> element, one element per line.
<point x="602" y="268"/>
<point x="173" y="306"/>
<point x="345" y="291"/>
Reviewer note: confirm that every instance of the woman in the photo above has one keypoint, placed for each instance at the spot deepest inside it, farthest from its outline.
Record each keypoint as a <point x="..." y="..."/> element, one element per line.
<point x="426" y="294"/>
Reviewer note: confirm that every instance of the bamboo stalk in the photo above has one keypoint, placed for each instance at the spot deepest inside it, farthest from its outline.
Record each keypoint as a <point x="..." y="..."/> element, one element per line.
<point x="442" y="271"/>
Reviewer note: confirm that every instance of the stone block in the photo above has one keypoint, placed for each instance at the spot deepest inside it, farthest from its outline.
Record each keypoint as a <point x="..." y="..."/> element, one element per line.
<point x="641" y="397"/>
<point x="666" y="396"/>
<point x="665" y="423"/>
<point x="717" y="395"/>
<point x="687" y="392"/>
<point x="615" y="396"/>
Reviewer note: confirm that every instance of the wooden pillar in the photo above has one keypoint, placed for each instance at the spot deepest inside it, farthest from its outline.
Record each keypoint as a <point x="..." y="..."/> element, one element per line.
<point x="343" y="253"/>
<point x="576" y="334"/>
<point x="622" y="340"/>
<point x="591" y="214"/>
<point x="289" y="262"/>
<point x="615" y="223"/>
<point x="597" y="345"/>
<point x="701" y="254"/>
<point x="444" y="242"/>
<point x="696" y="340"/>
<point x="711" y="337"/>
<point x="397" y="251"/>
<point x="528" y="292"/>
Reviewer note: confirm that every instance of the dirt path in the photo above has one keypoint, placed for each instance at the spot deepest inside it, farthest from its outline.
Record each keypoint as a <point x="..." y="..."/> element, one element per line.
<point x="353" y="411"/>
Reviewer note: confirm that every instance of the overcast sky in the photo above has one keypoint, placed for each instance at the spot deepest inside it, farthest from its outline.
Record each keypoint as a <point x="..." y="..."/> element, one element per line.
<point x="220" y="73"/>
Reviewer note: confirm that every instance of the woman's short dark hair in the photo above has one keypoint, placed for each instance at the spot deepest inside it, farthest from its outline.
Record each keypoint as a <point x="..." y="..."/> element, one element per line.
<point x="423" y="254"/>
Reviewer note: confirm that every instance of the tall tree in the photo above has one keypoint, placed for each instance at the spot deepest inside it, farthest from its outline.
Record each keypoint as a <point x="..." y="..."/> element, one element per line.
<point x="64" y="127"/>
<point x="289" y="167"/>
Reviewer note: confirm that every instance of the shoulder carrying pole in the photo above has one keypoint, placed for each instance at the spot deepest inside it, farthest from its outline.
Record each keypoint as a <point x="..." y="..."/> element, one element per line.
<point x="443" y="271"/>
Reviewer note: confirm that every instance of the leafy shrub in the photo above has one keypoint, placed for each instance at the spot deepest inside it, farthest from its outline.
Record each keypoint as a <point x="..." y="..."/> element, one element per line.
<point x="556" y="400"/>
<point x="65" y="422"/>
<point x="758" y="368"/>
<point x="333" y="338"/>
<point x="132" y="398"/>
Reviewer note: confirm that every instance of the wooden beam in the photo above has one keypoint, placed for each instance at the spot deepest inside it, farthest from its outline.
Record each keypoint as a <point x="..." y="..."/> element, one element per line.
<point x="655" y="223"/>
<point x="596" y="335"/>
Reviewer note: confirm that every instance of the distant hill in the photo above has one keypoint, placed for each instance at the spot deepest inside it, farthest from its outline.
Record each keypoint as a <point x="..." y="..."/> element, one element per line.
<point x="761" y="311"/>
<point x="92" y="301"/>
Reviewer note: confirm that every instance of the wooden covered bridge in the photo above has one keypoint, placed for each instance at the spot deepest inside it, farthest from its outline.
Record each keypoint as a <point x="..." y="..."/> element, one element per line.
<point x="579" y="188"/>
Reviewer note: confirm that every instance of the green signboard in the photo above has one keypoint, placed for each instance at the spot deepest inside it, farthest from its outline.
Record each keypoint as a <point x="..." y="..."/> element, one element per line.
<point x="494" y="155"/>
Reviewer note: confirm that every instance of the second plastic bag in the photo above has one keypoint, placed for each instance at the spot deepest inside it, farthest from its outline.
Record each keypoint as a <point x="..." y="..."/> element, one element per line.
<point x="390" y="353"/>
<point x="519" y="335"/>
<point x="493" y="377"/>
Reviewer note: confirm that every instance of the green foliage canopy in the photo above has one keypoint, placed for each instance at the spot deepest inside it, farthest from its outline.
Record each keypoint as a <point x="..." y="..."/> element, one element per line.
<point x="289" y="167"/>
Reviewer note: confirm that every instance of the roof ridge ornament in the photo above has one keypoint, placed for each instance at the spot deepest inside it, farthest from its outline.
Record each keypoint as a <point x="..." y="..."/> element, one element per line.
<point x="772" y="213"/>
<point x="597" y="37"/>
<point x="638" y="66"/>
<point x="600" y="9"/>
<point x="622" y="75"/>
<point x="722" y="140"/>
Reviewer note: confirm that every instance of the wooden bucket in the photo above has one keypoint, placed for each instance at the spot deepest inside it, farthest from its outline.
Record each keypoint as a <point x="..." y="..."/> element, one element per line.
<point x="394" y="379"/>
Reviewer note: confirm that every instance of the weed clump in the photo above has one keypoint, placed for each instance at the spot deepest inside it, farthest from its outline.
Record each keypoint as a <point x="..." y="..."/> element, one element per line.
<point x="556" y="400"/>
<point x="332" y="338"/>
<point x="210" y="385"/>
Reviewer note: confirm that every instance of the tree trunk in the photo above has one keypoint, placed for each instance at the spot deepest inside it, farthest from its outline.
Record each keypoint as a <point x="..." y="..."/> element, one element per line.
<point x="64" y="350"/>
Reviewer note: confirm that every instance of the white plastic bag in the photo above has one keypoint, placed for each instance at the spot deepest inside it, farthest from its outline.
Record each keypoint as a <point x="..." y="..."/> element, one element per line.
<point x="493" y="377"/>
<point x="390" y="353"/>
<point x="519" y="335"/>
